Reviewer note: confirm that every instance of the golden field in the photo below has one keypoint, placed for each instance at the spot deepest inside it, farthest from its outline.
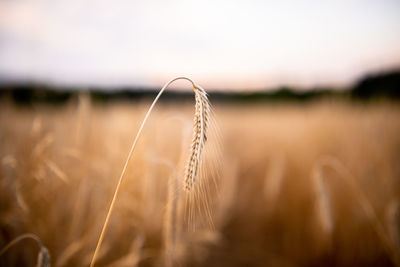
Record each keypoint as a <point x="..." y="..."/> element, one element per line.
<point x="298" y="184"/>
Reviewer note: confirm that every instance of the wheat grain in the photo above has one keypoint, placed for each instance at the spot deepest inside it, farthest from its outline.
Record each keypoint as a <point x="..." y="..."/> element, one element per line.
<point x="201" y="120"/>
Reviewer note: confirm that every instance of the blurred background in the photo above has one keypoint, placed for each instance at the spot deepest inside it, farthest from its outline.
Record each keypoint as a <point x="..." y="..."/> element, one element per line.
<point x="231" y="46"/>
<point x="305" y="97"/>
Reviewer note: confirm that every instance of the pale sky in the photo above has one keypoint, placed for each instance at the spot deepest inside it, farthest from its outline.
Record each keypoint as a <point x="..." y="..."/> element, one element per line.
<point x="220" y="44"/>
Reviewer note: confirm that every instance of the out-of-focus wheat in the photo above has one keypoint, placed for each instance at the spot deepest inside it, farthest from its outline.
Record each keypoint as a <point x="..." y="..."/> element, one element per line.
<point x="368" y="209"/>
<point x="393" y="223"/>
<point x="244" y="233"/>
<point x="274" y="180"/>
<point x="323" y="199"/>
<point x="43" y="258"/>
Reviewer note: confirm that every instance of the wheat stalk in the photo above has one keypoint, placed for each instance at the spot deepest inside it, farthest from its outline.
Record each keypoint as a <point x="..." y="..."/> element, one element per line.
<point x="323" y="204"/>
<point x="200" y="136"/>
<point x="43" y="259"/>
<point x="392" y="220"/>
<point x="364" y="203"/>
<point x="171" y="214"/>
<point x="274" y="180"/>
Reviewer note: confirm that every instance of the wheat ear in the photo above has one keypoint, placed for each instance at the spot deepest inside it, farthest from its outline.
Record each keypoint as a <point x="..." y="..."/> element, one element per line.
<point x="201" y="119"/>
<point x="201" y="122"/>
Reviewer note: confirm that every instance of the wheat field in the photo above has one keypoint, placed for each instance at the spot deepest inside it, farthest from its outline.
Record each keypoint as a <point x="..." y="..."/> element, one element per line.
<point x="292" y="184"/>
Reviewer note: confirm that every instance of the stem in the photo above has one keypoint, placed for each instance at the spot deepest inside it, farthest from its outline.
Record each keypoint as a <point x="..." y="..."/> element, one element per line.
<point x="365" y="205"/>
<point x="99" y="242"/>
<point x="19" y="238"/>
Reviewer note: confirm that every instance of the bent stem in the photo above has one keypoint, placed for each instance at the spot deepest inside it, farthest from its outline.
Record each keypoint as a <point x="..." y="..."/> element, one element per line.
<point x="43" y="259"/>
<point x="18" y="239"/>
<point x="105" y="225"/>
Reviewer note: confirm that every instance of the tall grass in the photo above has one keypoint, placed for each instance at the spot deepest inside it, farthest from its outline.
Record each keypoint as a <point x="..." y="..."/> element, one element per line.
<point x="59" y="167"/>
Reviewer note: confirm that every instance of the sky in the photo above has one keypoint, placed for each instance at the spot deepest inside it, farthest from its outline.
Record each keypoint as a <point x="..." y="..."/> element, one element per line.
<point x="242" y="45"/>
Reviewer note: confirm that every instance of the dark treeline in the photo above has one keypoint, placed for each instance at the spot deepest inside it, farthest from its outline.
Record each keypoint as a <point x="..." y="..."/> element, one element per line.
<point x="377" y="86"/>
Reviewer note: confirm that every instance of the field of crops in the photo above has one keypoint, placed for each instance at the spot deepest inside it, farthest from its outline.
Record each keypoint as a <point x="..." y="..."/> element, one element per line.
<point x="283" y="184"/>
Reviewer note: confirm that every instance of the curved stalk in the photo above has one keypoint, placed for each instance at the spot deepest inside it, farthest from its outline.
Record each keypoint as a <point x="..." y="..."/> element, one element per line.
<point x="106" y="222"/>
<point x="19" y="238"/>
